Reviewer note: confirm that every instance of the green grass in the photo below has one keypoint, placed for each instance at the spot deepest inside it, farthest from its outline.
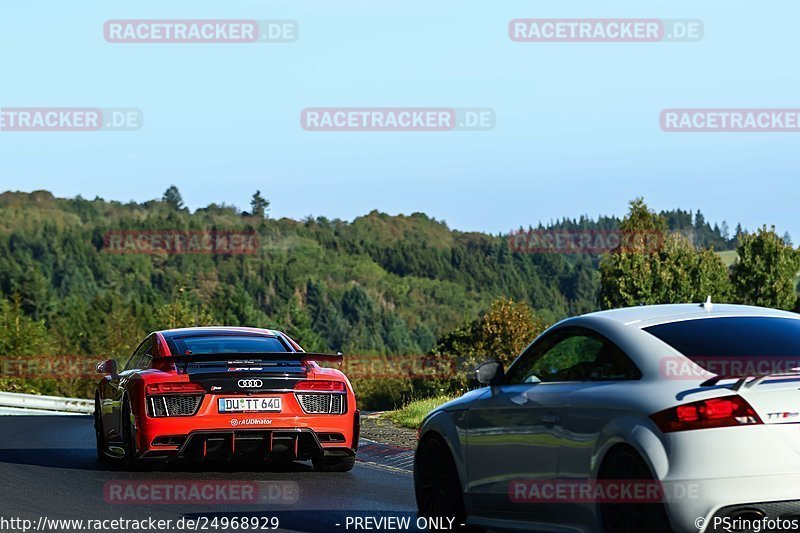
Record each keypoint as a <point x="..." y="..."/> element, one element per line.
<point x="411" y="414"/>
<point x="728" y="257"/>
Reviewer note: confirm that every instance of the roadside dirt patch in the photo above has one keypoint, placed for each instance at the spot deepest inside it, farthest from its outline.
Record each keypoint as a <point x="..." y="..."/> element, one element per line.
<point x="379" y="429"/>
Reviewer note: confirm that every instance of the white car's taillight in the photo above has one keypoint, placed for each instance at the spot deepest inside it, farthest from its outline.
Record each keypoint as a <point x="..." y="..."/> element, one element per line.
<point x="713" y="413"/>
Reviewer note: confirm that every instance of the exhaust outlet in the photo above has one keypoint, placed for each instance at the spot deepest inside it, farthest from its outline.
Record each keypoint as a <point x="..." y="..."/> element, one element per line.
<point x="750" y="515"/>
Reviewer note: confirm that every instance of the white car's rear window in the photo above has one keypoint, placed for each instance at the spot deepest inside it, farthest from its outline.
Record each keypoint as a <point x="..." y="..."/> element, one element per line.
<point x="732" y="337"/>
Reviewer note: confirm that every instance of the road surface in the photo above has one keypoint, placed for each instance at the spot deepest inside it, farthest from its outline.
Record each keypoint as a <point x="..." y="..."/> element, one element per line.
<point x="49" y="471"/>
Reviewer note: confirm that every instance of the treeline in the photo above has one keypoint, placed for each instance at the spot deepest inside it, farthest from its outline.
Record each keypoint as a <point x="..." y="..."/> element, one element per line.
<point x="380" y="285"/>
<point x="765" y="271"/>
<point x="694" y="227"/>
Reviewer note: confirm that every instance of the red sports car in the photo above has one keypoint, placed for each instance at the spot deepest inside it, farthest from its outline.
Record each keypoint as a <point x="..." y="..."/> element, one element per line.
<point x="225" y="394"/>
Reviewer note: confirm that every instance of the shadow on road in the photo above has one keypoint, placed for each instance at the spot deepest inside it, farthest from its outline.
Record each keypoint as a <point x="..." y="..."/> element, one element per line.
<point x="86" y="459"/>
<point x="52" y="457"/>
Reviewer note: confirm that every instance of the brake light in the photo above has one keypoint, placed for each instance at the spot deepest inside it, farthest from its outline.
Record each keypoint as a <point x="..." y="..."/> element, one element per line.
<point x="320" y="386"/>
<point x="172" y="388"/>
<point x="713" y="413"/>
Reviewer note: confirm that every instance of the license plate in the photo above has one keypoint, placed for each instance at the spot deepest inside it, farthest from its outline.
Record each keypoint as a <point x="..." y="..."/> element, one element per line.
<point x="250" y="404"/>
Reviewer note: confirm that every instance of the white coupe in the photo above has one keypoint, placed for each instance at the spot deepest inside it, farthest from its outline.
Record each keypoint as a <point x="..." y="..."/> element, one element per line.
<point x="654" y="418"/>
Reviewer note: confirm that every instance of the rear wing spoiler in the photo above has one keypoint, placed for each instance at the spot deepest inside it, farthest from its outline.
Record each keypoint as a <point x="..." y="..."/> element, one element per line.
<point x="239" y="358"/>
<point x="749" y="381"/>
<point x="327" y="357"/>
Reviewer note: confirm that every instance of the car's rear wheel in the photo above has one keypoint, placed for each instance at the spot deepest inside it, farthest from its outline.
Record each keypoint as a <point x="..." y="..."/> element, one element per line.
<point x="624" y="464"/>
<point x="436" y="484"/>
<point x="99" y="432"/>
<point x="129" y="459"/>
<point x="334" y="464"/>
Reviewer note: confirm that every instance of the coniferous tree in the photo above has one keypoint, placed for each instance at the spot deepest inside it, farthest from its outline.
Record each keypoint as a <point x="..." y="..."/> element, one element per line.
<point x="259" y="205"/>
<point x="172" y="197"/>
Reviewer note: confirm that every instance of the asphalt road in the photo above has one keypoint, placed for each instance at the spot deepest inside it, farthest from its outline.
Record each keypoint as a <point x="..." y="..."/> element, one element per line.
<point x="49" y="471"/>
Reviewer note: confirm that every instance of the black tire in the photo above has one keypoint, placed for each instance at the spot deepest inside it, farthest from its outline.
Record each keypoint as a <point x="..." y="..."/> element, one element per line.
<point x="623" y="463"/>
<point x="129" y="460"/>
<point x="436" y="484"/>
<point x="334" y="464"/>
<point x="99" y="434"/>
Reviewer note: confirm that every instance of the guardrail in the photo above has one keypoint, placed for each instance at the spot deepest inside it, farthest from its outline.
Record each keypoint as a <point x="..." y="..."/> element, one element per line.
<point x="14" y="403"/>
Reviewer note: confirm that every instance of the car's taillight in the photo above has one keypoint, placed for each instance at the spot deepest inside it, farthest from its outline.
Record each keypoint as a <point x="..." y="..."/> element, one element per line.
<point x="320" y="386"/>
<point x="173" y="399"/>
<point x="173" y="388"/>
<point x="714" y="413"/>
<point x="321" y="396"/>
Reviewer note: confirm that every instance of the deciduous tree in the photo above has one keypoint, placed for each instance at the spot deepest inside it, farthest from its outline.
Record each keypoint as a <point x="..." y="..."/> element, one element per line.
<point x="671" y="271"/>
<point x="765" y="271"/>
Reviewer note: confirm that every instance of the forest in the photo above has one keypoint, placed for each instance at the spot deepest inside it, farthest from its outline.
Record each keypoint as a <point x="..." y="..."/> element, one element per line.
<point x="382" y="285"/>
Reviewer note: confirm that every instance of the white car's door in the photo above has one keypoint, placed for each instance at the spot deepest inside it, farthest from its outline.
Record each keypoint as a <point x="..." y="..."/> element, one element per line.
<point x="527" y="429"/>
<point x="510" y="436"/>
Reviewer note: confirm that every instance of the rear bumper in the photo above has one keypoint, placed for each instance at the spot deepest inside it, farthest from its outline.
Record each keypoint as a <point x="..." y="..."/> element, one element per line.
<point x="252" y="445"/>
<point x="729" y="472"/>
<point x="783" y="514"/>
<point x="720" y="502"/>
<point x="312" y="434"/>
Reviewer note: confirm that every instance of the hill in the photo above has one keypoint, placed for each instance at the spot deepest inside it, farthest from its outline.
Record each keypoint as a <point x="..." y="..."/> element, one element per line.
<point x="380" y="284"/>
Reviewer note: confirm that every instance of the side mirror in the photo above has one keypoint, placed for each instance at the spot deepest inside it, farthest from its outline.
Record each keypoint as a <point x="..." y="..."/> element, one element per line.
<point x="490" y="372"/>
<point x="107" y="368"/>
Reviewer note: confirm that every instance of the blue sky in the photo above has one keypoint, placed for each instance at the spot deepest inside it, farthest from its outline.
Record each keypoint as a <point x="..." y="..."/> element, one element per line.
<point x="577" y="128"/>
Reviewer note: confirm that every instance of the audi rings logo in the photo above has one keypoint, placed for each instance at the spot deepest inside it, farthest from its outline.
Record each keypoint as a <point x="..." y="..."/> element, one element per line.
<point x="250" y="383"/>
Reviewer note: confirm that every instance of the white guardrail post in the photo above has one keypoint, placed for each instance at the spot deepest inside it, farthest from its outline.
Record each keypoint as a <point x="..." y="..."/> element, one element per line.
<point x="23" y="404"/>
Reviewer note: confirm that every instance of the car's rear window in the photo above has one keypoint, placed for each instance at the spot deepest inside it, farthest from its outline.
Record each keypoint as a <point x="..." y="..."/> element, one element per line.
<point x="732" y="337"/>
<point x="218" y="344"/>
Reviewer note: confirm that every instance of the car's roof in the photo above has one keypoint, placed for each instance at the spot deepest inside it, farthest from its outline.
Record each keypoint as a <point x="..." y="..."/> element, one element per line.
<point x="649" y="315"/>
<point x="218" y="330"/>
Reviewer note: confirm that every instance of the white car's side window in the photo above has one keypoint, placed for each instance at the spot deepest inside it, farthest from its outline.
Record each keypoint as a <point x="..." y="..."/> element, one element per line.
<point x="575" y="355"/>
<point x="569" y="360"/>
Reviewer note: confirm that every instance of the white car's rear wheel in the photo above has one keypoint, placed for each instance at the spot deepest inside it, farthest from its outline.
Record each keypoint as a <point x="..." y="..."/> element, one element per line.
<point x="621" y="465"/>
<point x="436" y="484"/>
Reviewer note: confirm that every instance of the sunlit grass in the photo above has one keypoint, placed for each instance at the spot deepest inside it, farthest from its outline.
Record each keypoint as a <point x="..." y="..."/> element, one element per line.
<point x="411" y="414"/>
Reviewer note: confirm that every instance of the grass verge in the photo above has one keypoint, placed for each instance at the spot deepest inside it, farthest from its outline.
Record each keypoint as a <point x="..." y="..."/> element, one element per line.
<point x="412" y="413"/>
